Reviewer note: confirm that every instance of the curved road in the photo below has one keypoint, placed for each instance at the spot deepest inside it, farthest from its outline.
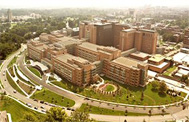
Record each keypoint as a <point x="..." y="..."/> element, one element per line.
<point x="9" y="90"/>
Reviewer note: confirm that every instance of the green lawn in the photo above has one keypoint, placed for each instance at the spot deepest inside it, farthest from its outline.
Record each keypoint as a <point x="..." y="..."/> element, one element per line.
<point x="132" y="95"/>
<point x="51" y="79"/>
<point x="26" y="88"/>
<point x="12" y="62"/>
<point x="13" y="84"/>
<point x="169" y="70"/>
<point x="52" y="97"/>
<point x="128" y="95"/>
<point x="35" y="71"/>
<point x="67" y="85"/>
<point x="105" y="111"/>
<point x="10" y="69"/>
<point x="109" y="88"/>
<point x="16" y="110"/>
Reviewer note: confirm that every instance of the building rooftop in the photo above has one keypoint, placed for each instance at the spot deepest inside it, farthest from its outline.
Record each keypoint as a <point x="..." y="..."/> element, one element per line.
<point x="64" y="41"/>
<point x="146" y="30"/>
<point x="156" y="58"/>
<point x="126" y="62"/>
<point x="90" y="46"/>
<point x="140" y="54"/>
<point x="128" y="30"/>
<point x="65" y="57"/>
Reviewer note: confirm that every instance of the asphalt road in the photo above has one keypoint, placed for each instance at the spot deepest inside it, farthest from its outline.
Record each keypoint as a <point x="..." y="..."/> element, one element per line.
<point x="9" y="90"/>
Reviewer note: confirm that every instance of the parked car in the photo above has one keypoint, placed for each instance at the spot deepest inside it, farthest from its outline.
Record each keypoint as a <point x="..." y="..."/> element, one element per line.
<point x="29" y="105"/>
<point x="42" y="102"/>
<point x="14" y="91"/>
<point x="43" y="110"/>
<point x="35" y="108"/>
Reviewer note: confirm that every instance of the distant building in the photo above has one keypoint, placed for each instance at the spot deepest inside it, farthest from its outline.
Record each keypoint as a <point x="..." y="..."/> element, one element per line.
<point x="186" y="39"/>
<point x="9" y="15"/>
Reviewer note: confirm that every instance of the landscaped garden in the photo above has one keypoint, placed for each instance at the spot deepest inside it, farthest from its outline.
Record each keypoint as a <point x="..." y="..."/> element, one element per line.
<point x="13" y="84"/>
<point x="16" y="110"/>
<point x="52" y="97"/>
<point x="169" y="70"/>
<point x="109" y="88"/>
<point x="127" y="94"/>
<point x="28" y="89"/>
<point x="35" y="71"/>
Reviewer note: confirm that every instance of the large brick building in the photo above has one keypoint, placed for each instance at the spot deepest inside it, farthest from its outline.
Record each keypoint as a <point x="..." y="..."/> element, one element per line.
<point x="80" y="60"/>
<point x="143" y="40"/>
<point x="100" y="33"/>
<point x="126" y="71"/>
<point x="93" y="52"/>
<point x="186" y="39"/>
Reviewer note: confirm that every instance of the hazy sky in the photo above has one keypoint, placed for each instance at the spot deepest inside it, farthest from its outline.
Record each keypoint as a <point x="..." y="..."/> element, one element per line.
<point x="90" y="3"/>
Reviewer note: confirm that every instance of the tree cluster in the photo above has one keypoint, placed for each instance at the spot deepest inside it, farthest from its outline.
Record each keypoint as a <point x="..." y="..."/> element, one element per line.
<point x="57" y="114"/>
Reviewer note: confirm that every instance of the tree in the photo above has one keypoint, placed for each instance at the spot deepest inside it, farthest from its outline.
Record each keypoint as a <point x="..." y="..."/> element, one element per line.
<point x="28" y="118"/>
<point x="142" y="96"/>
<point x="184" y="79"/>
<point x="162" y="87"/>
<point x="79" y="116"/>
<point x="56" y="114"/>
<point x="155" y="85"/>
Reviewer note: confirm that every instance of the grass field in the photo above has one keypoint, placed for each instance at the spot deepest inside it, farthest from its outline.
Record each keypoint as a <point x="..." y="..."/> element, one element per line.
<point x="129" y="94"/>
<point x="25" y="87"/>
<point x="104" y="111"/>
<point x="109" y="88"/>
<point x="52" y="97"/>
<point x="16" y="110"/>
<point x="12" y="62"/>
<point x="169" y="70"/>
<point x="67" y="85"/>
<point x="13" y="84"/>
<point x="35" y="71"/>
<point x="11" y="71"/>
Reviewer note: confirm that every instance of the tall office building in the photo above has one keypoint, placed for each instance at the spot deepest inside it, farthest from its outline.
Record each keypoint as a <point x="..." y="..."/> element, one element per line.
<point x="186" y="39"/>
<point x="100" y="33"/>
<point x="9" y="15"/>
<point x="143" y="40"/>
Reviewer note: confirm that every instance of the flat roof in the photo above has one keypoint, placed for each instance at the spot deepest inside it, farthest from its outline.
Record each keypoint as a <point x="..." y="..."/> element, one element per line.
<point x="129" y="30"/>
<point x="160" y="66"/>
<point x="140" y="54"/>
<point x="156" y="58"/>
<point x="126" y="62"/>
<point x="65" y="57"/>
<point x="64" y="41"/>
<point x="146" y="30"/>
<point x="90" y="46"/>
<point x="179" y="57"/>
<point x="183" y="72"/>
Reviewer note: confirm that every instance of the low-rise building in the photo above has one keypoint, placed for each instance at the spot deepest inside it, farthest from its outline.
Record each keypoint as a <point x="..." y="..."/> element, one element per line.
<point x="158" y="63"/>
<point x="126" y="71"/>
